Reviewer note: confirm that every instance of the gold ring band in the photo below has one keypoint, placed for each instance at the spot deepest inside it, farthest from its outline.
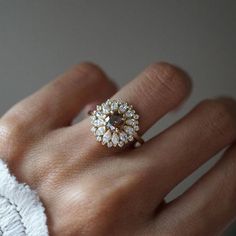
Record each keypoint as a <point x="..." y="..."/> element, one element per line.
<point x="138" y="139"/>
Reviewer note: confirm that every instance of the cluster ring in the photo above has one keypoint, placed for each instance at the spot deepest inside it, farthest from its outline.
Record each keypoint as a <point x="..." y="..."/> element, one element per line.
<point x="115" y="123"/>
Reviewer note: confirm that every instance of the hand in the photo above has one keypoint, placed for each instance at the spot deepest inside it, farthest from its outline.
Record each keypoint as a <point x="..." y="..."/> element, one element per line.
<point x="91" y="190"/>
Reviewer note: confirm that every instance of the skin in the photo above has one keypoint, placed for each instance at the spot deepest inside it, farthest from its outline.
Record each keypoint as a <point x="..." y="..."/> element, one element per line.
<point x="90" y="190"/>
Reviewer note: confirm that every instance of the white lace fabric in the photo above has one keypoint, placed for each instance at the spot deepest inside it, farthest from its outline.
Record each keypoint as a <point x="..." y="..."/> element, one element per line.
<point x="21" y="212"/>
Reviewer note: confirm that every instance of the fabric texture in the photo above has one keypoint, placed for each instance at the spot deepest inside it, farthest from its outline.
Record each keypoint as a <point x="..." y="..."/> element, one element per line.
<point x="21" y="212"/>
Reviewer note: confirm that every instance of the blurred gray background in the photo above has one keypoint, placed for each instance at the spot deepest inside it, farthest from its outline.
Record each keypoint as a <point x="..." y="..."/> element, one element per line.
<point x="41" y="39"/>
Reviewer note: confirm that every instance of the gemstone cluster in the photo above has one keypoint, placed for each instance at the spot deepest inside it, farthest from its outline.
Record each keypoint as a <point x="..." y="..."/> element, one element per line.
<point x="114" y="123"/>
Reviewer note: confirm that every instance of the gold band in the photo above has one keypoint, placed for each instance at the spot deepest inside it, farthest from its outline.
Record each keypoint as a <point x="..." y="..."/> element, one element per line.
<point x="138" y="139"/>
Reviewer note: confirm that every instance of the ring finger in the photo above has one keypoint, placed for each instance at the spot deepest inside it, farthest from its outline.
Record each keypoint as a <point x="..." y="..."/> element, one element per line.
<point x="156" y="91"/>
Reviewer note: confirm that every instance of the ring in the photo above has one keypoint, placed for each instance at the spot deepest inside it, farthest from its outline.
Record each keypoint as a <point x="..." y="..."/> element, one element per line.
<point x="115" y="123"/>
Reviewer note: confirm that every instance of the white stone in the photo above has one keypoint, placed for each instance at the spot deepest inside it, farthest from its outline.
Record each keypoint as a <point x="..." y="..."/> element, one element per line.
<point x="99" y="114"/>
<point x="115" y="139"/>
<point x="98" y="122"/>
<point x="99" y="138"/>
<point x="109" y="144"/>
<point x="130" y="122"/>
<point x="101" y="130"/>
<point x="112" y="128"/>
<point x="123" y="107"/>
<point x="114" y="105"/>
<point x="129" y="113"/>
<point x="106" y="108"/>
<point x="93" y="129"/>
<point x="93" y="118"/>
<point x="123" y="136"/>
<point x="136" y="116"/>
<point x="99" y="108"/>
<point x="121" y="144"/>
<point x="136" y="128"/>
<point x="108" y="102"/>
<point x="107" y="136"/>
<point x="129" y="130"/>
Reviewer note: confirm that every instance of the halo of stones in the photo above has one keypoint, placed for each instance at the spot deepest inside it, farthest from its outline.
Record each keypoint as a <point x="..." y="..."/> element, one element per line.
<point x="114" y="123"/>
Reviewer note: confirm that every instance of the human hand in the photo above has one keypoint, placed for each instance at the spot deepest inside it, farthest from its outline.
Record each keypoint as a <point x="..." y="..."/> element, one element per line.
<point x="88" y="189"/>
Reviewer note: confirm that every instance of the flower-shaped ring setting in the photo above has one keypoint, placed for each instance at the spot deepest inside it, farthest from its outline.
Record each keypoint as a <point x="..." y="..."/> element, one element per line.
<point x="115" y="123"/>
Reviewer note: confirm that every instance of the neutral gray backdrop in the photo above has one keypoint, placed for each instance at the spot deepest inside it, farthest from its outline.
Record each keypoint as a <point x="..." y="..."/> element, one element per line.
<point x="40" y="39"/>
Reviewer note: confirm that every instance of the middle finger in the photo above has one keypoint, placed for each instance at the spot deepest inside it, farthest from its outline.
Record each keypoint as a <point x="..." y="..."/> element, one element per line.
<point x="182" y="148"/>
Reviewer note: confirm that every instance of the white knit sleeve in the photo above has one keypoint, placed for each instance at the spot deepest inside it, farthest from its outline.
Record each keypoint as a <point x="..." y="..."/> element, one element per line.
<point x="21" y="212"/>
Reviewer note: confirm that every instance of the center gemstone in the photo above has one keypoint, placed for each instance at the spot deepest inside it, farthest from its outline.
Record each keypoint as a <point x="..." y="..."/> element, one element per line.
<point x="115" y="120"/>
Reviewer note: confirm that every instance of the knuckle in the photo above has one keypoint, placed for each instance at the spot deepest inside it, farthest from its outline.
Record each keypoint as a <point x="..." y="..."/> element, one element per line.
<point x="94" y="208"/>
<point x="87" y="68"/>
<point x="221" y="108"/>
<point x="11" y="128"/>
<point x="11" y="134"/>
<point x="173" y="79"/>
<point x="85" y="71"/>
<point x="221" y="114"/>
<point x="18" y="132"/>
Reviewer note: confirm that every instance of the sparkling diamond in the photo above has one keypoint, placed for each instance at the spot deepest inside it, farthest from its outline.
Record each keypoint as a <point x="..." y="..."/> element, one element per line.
<point x="109" y="144"/>
<point x="98" y="122"/>
<point x="93" y="129"/>
<point x="136" y="116"/>
<point x="99" y="108"/>
<point x="99" y="138"/>
<point x="115" y="139"/>
<point x="129" y="130"/>
<point x="99" y="114"/>
<point x="120" y="144"/>
<point x="108" y="102"/>
<point x="107" y="136"/>
<point x="101" y="130"/>
<point x="106" y="108"/>
<point x="130" y="122"/>
<point x="123" y="107"/>
<point x="136" y="128"/>
<point x="111" y="127"/>
<point x="123" y="137"/>
<point x="114" y="106"/>
<point x="129" y="113"/>
<point x="93" y="118"/>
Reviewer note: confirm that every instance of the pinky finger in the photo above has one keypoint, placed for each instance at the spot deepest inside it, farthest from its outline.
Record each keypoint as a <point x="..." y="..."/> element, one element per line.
<point x="208" y="207"/>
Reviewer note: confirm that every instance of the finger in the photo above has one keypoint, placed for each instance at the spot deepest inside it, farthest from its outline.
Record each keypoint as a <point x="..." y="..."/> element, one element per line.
<point x="182" y="148"/>
<point x="156" y="91"/>
<point x="100" y="99"/>
<point x="209" y="206"/>
<point x="60" y="101"/>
